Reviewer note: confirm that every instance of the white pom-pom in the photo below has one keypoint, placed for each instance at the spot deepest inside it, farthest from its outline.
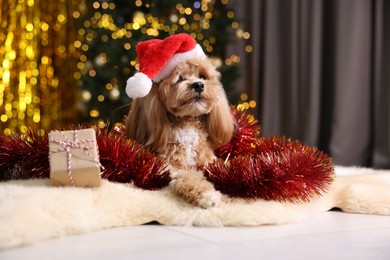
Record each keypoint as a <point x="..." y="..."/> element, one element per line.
<point x="138" y="85"/>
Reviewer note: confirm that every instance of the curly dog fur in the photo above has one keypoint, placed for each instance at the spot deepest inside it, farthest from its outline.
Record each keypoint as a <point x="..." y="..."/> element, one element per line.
<point x="183" y="119"/>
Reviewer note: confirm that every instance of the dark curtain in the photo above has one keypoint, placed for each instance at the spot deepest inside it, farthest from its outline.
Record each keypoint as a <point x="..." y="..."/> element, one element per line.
<point x="320" y="73"/>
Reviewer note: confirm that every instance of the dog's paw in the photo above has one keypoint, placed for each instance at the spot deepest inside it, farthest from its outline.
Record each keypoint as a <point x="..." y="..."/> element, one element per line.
<point x="209" y="199"/>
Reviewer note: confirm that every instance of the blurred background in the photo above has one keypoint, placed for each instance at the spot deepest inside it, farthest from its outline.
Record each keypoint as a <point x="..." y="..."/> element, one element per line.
<point x="317" y="71"/>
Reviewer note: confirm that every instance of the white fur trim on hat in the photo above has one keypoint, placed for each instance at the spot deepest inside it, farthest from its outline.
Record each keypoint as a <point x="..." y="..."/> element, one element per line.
<point x="176" y="59"/>
<point x="138" y="85"/>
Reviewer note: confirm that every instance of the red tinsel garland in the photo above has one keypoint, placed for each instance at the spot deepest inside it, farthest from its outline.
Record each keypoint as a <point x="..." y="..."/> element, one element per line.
<point x="281" y="170"/>
<point x="244" y="138"/>
<point x="24" y="156"/>
<point x="126" y="161"/>
<point x="273" y="168"/>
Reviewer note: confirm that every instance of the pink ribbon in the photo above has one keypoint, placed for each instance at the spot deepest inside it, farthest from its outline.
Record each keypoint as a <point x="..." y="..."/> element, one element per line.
<point x="67" y="146"/>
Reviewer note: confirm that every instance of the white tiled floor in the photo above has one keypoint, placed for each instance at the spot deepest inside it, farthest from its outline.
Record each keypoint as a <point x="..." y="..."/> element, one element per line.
<point x="330" y="235"/>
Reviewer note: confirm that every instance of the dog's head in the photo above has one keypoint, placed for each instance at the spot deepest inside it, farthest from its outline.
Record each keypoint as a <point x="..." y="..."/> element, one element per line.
<point x="193" y="89"/>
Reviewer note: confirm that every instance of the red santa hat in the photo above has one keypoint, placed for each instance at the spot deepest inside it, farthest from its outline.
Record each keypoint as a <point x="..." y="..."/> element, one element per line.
<point x="157" y="59"/>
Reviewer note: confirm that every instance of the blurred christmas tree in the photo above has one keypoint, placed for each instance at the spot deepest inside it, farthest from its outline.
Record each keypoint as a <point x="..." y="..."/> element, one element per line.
<point x="110" y="29"/>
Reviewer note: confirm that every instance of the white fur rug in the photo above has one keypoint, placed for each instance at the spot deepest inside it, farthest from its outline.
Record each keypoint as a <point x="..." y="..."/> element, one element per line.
<point x="34" y="210"/>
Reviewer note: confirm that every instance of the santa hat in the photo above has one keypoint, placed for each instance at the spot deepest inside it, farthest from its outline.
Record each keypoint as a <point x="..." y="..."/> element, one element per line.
<point x="157" y="59"/>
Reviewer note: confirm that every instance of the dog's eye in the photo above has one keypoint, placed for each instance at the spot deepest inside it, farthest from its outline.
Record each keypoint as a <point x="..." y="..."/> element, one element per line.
<point x="180" y="79"/>
<point x="202" y="76"/>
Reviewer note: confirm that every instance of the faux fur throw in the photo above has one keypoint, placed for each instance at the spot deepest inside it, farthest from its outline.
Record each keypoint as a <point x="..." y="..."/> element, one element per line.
<point x="34" y="210"/>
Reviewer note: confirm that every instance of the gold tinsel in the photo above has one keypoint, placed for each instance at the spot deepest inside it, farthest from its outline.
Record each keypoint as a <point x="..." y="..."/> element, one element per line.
<point x="38" y="64"/>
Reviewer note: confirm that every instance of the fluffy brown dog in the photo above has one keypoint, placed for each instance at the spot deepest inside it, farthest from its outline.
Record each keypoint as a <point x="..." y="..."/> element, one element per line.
<point x="183" y="119"/>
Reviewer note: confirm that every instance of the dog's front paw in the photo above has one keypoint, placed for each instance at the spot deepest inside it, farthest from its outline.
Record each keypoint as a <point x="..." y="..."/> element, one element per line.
<point x="194" y="188"/>
<point x="209" y="199"/>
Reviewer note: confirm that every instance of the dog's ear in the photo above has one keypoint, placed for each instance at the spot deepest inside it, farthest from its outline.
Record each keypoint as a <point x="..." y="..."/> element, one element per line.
<point x="147" y="122"/>
<point x="220" y="122"/>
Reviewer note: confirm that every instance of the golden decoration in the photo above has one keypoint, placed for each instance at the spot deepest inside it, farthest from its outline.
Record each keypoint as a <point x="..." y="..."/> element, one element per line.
<point x="38" y="63"/>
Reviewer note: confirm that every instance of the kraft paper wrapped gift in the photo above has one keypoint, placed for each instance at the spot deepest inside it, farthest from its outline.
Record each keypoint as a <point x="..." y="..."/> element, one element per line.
<point x="74" y="158"/>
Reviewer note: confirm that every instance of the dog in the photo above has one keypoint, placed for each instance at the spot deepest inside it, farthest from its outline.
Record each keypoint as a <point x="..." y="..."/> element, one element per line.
<point x="182" y="120"/>
<point x="180" y="112"/>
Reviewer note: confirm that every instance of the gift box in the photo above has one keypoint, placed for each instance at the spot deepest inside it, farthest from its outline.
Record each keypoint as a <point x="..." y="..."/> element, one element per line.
<point x="74" y="158"/>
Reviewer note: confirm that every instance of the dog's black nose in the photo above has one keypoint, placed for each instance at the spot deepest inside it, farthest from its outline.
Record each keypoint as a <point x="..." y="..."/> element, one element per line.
<point x="198" y="87"/>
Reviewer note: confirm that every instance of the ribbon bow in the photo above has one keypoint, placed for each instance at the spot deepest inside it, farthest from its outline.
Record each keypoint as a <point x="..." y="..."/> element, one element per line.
<point x="67" y="146"/>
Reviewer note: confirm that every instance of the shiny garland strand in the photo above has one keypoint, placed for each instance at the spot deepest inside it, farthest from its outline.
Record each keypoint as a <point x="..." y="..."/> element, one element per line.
<point x="250" y="166"/>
